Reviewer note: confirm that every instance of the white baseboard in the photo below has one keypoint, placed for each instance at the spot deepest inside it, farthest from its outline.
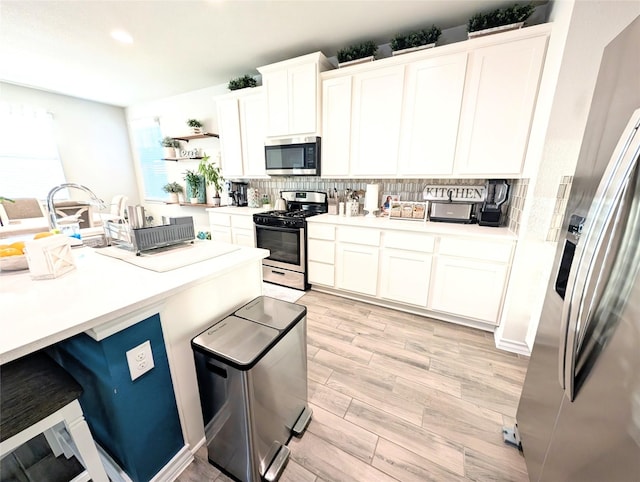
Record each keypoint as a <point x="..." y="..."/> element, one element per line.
<point x="171" y="471"/>
<point x="519" y="347"/>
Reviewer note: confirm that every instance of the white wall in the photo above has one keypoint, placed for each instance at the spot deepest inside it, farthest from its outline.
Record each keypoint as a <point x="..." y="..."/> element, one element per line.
<point x="172" y="113"/>
<point x="585" y="27"/>
<point x="93" y="140"/>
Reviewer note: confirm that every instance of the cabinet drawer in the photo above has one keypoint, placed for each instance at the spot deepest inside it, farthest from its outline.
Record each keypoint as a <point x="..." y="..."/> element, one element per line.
<point x="370" y="237"/>
<point x="321" y="231"/>
<point x="321" y="273"/>
<point x="476" y="249"/>
<point x="322" y="251"/>
<point x="220" y="219"/>
<point x="409" y="241"/>
<point x="245" y="222"/>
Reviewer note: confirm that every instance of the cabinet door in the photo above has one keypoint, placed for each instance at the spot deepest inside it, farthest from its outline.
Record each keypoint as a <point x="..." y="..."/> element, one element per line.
<point x="230" y="139"/>
<point x="321" y="273"/>
<point x="336" y="126"/>
<point x="404" y="276"/>
<point x="221" y="234"/>
<point x="376" y="115"/>
<point x="499" y="100"/>
<point x="303" y="99"/>
<point x="253" y="118"/>
<point x="431" y="114"/>
<point x="243" y="237"/>
<point x="357" y="268"/>
<point x="469" y="288"/>
<point x="277" y="88"/>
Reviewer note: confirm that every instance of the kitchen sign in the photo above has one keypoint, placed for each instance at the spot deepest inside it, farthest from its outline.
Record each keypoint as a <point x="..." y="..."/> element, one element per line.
<point x="454" y="193"/>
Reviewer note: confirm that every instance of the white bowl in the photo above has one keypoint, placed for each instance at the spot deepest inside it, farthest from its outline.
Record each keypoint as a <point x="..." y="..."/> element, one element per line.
<point x="13" y="263"/>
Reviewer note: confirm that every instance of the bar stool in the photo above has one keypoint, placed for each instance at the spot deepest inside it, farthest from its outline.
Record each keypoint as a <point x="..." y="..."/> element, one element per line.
<point x="36" y="394"/>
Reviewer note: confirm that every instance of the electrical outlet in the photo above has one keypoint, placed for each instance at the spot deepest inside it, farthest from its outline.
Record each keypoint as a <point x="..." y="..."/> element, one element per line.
<point x="140" y="360"/>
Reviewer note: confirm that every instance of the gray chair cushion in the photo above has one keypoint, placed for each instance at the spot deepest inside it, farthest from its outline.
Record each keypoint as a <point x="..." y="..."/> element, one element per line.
<point x="32" y="388"/>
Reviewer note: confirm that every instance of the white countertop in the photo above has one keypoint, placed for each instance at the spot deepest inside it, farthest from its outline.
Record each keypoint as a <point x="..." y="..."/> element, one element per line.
<point x="38" y="313"/>
<point x="430" y="227"/>
<point x="243" y="210"/>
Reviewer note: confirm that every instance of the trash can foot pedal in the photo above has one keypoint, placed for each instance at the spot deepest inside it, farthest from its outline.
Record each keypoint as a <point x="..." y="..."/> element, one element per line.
<point x="277" y="465"/>
<point x="302" y="422"/>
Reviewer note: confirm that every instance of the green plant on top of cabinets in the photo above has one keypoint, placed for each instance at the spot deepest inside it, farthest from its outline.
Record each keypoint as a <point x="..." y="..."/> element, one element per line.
<point x="364" y="50"/>
<point x="195" y="187"/>
<point x="500" y="17"/>
<point x="242" y="82"/>
<point x="419" y="38"/>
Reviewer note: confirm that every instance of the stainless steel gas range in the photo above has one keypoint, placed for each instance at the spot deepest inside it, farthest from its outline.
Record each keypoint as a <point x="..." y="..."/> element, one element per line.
<point x="284" y="234"/>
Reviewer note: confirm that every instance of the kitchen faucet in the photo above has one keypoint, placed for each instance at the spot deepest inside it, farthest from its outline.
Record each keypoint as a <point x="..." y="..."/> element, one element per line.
<point x="53" y="224"/>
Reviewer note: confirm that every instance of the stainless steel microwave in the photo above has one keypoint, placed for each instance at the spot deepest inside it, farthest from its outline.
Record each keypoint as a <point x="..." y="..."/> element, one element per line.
<point x="293" y="156"/>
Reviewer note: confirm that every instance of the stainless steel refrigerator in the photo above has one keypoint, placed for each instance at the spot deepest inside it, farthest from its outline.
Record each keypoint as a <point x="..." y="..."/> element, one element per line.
<point x="579" y="413"/>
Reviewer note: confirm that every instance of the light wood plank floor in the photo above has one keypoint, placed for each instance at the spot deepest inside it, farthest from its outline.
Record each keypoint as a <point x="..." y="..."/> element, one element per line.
<point x="397" y="396"/>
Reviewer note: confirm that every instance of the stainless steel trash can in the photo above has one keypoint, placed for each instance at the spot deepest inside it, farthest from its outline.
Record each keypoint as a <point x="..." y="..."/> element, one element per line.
<point x="252" y="377"/>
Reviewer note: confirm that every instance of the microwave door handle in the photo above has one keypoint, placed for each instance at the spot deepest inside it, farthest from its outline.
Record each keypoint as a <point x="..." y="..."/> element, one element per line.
<point x="605" y="211"/>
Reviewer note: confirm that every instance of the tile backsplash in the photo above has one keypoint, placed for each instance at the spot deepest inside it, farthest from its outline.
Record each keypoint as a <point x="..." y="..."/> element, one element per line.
<point x="562" y="196"/>
<point x="408" y="189"/>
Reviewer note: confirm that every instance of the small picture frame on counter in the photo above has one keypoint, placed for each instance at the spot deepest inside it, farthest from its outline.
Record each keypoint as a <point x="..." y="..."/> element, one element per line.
<point x="408" y="210"/>
<point x="387" y="200"/>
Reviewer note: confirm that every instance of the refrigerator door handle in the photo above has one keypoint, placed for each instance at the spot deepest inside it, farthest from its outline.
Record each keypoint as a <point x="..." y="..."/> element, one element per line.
<point x="582" y="287"/>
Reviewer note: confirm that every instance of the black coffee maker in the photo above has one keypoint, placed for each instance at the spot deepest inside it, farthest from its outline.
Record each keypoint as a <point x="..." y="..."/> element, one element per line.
<point x="492" y="211"/>
<point x="238" y="192"/>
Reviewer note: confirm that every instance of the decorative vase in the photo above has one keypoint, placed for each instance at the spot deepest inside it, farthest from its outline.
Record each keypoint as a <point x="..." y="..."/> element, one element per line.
<point x="489" y="31"/>
<point x="169" y="152"/>
<point x="193" y="200"/>
<point x="371" y="58"/>
<point x="198" y="193"/>
<point x="215" y="202"/>
<point x="173" y="197"/>
<point x="196" y="130"/>
<point x="413" y="49"/>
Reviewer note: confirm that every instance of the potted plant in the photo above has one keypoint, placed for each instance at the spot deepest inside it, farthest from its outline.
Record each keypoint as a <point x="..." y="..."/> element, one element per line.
<point x="499" y="20"/>
<point x="195" y="125"/>
<point x="213" y="178"/>
<point x="195" y="187"/>
<point x="421" y="39"/>
<point x="357" y="53"/>
<point x="169" y="145"/>
<point x="242" y="83"/>
<point x="173" y="189"/>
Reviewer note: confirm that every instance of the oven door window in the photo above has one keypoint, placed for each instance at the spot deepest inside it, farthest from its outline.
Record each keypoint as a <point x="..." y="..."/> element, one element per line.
<point x="285" y="157"/>
<point x="283" y="243"/>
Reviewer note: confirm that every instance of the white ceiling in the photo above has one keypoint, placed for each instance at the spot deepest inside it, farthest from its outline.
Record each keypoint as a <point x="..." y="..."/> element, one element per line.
<point x="184" y="45"/>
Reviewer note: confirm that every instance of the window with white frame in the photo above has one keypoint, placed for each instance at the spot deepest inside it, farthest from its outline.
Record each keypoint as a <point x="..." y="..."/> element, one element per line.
<point x="147" y="139"/>
<point x="30" y="164"/>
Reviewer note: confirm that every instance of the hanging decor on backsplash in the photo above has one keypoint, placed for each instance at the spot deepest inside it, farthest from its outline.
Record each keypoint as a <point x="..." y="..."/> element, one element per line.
<point x="454" y="193"/>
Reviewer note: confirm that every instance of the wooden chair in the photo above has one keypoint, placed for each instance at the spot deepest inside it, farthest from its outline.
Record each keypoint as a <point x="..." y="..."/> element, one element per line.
<point x="38" y="396"/>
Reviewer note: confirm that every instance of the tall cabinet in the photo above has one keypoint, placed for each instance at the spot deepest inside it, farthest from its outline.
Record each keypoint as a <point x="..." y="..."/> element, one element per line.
<point x="500" y="94"/>
<point x="293" y="95"/>
<point x="242" y="126"/>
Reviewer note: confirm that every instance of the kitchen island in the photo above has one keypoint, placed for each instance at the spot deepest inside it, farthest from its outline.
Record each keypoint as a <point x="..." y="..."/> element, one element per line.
<point x="105" y="297"/>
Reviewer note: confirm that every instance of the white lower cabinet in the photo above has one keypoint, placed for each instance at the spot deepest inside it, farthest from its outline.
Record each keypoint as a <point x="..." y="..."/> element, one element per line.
<point x="230" y="228"/>
<point x="321" y="254"/>
<point x="471" y="278"/>
<point x="404" y="276"/>
<point x="357" y="268"/>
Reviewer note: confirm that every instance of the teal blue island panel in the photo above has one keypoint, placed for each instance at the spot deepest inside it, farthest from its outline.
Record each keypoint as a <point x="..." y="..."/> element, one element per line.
<point x="136" y="422"/>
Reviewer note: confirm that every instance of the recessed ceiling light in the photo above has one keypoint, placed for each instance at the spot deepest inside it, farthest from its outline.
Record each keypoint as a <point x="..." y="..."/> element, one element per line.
<point x="122" y="36"/>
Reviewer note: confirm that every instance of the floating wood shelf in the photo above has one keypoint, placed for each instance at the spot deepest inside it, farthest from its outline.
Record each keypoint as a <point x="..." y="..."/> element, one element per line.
<point x="176" y="159"/>
<point x="196" y="136"/>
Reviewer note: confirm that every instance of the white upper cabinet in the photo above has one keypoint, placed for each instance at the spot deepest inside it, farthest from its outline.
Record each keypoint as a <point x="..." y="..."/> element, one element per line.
<point x="430" y="117"/>
<point x="253" y="113"/>
<point x="230" y="139"/>
<point x="242" y="125"/>
<point x="499" y="99"/>
<point x="293" y="95"/>
<point x="336" y="127"/>
<point x="375" y="123"/>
